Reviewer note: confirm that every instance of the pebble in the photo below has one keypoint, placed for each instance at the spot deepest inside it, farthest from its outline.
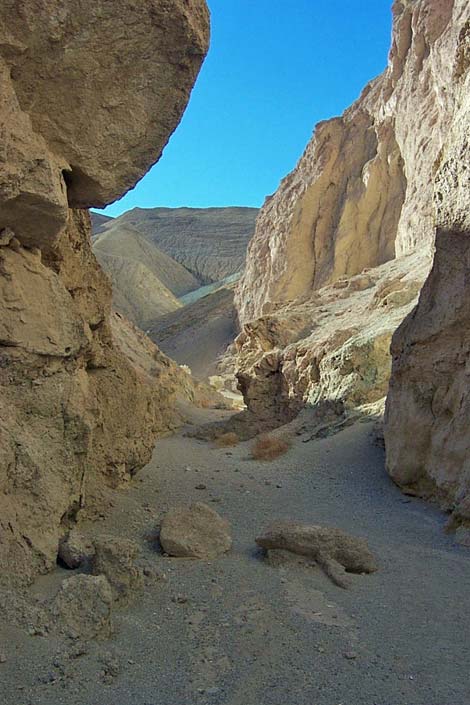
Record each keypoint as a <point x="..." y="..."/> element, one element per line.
<point x="201" y="486"/>
<point x="350" y="655"/>
<point x="3" y="658"/>
<point x="179" y="599"/>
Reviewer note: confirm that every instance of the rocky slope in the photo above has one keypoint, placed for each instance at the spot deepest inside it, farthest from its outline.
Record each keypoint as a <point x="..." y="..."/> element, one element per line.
<point x="78" y="131"/>
<point x="199" y="333"/>
<point x="218" y="237"/>
<point x="342" y="248"/>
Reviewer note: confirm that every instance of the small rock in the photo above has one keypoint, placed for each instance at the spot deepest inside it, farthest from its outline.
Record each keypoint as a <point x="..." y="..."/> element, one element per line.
<point x="196" y="531"/>
<point x="3" y="658"/>
<point x="82" y="606"/>
<point x="201" y="486"/>
<point x="75" y="549"/>
<point x="179" y="599"/>
<point x="115" y="558"/>
<point x="350" y="655"/>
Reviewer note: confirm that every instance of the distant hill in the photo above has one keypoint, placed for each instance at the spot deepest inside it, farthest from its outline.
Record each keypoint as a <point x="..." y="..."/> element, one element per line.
<point x="197" y="334"/>
<point x="120" y="240"/>
<point x="209" y="242"/>
<point x="137" y="293"/>
<point x="98" y="221"/>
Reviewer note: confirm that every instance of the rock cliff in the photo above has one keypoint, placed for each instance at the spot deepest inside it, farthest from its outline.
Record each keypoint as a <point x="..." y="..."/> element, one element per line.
<point x="341" y="250"/>
<point x="428" y="405"/>
<point x="83" y="116"/>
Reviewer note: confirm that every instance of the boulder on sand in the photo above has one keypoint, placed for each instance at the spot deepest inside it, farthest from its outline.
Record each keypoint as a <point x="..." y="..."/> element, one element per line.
<point x="336" y="552"/>
<point x="196" y="531"/>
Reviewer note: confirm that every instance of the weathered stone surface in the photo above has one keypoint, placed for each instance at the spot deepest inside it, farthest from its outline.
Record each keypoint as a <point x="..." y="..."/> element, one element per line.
<point x="332" y="346"/>
<point x="362" y="191"/>
<point x="426" y="423"/>
<point x="104" y="85"/>
<point x="342" y="248"/>
<point x="335" y="551"/>
<point x="75" y="549"/>
<point x="82" y="607"/>
<point x="115" y="559"/>
<point x="196" y="531"/>
<point x="82" y="117"/>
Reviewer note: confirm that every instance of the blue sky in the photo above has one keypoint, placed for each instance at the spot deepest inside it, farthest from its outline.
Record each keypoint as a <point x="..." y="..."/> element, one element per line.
<point x="274" y="69"/>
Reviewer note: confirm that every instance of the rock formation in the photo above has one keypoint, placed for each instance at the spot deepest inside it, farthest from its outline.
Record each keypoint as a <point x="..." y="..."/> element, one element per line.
<point x="428" y="406"/>
<point x="217" y="237"/>
<point x="83" y="117"/>
<point x="335" y="551"/>
<point x="342" y="248"/>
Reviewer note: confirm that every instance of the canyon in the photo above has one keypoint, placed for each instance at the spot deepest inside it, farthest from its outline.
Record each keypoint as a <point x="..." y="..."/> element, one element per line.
<point x="341" y="252"/>
<point x="135" y="562"/>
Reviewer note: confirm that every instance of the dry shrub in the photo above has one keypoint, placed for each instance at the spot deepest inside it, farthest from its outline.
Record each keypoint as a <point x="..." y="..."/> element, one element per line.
<point x="226" y="440"/>
<point x="269" y="447"/>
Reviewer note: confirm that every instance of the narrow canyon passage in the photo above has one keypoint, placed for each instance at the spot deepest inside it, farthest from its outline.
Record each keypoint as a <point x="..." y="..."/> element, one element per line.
<point x="239" y="631"/>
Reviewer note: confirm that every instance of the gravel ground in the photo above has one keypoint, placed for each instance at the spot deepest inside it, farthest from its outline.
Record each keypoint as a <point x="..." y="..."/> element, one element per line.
<point x="237" y="631"/>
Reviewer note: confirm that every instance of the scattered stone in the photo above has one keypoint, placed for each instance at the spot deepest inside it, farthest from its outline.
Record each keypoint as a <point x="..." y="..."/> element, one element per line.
<point x="115" y="558"/>
<point x="3" y="658"/>
<point x="201" y="486"/>
<point x="196" y="531"/>
<point x="332" y="549"/>
<point x="179" y="599"/>
<point x="350" y="655"/>
<point x="75" y="549"/>
<point x="82" y="607"/>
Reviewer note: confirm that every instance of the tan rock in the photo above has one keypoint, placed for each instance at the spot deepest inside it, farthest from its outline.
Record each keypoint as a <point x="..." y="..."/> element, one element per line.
<point x="196" y="531"/>
<point x="362" y="193"/>
<point x="426" y="423"/>
<point x="104" y="85"/>
<point x="335" y="551"/>
<point x="75" y="549"/>
<point x="75" y="412"/>
<point x="83" y="607"/>
<point x="115" y="559"/>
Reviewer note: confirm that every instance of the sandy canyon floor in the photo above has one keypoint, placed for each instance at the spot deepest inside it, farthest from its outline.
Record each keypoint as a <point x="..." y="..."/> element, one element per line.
<point x="238" y="631"/>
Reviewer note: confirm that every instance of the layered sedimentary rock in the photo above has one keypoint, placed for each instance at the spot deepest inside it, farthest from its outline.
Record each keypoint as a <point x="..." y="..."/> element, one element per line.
<point x="89" y="94"/>
<point x="341" y="250"/>
<point x="428" y="406"/>
<point x="210" y="242"/>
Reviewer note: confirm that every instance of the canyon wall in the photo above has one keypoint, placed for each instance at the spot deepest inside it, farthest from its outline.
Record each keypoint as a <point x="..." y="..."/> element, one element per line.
<point x="343" y="247"/>
<point x="428" y="406"/>
<point x="362" y="192"/>
<point x="89" y="94"/>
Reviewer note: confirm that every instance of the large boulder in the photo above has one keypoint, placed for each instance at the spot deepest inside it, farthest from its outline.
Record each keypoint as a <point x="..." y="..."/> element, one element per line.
<point x="334" y="550"/>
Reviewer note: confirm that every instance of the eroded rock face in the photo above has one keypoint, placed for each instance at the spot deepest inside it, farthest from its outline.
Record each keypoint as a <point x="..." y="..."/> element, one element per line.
<point x="113" y="79"/>
<point x="362" y="193"/>
<point x="426" y="424"/>
<point x="75" y="411"/>
<point x="342" y="248"/>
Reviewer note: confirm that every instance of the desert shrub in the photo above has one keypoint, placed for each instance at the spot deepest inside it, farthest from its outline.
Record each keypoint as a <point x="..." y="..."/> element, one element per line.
<point x="269" y="447"/>
<point x="226" y="440"/>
